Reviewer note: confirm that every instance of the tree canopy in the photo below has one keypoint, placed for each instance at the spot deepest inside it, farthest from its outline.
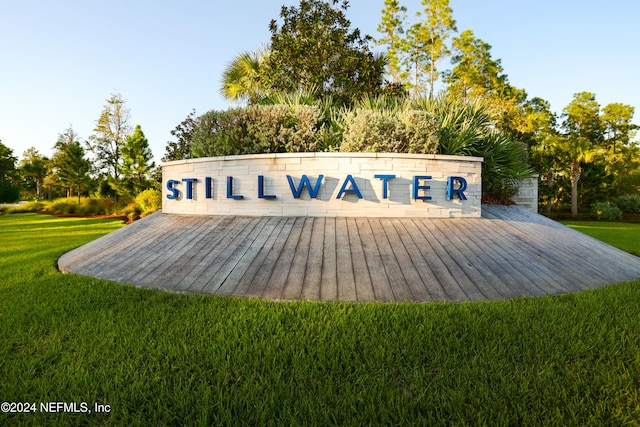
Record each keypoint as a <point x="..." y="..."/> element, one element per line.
<point x="121" y="163"/>
<point x="111" y="131"/>
<point x="588" y="154"/>
<point x="244" y="78"/>
<point x="69" y="164"/>
<point x="137" y="164"/>
<point x="392" y="28"/>
<point x="314" y="46"/>
<point x="9" y="191"/>
<point x="34" y="167"/>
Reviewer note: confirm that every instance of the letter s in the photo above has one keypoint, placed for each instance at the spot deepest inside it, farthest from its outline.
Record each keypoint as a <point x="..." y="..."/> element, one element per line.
<point x="175" y="193"/>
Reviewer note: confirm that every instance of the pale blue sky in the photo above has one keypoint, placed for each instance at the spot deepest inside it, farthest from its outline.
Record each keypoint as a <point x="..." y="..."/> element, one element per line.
<point x="61" y="60"/>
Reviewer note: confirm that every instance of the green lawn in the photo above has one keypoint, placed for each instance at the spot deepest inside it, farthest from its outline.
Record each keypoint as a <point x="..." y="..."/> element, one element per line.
<point x="158" y="358"/>
<point x="623" y="235"/>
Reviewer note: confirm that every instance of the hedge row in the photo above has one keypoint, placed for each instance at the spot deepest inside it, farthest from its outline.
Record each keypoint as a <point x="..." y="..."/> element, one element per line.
<point x="144" y="204"/>
<point x="261" y="129"/>
<point x="627" y="204"/>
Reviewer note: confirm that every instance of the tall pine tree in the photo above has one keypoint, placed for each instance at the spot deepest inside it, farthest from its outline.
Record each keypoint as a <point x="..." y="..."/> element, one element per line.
<point x="110" y="133"/>
<point x="137" y="164"/>
<point x="427" y="42"/>
<point x="394" y="19"/>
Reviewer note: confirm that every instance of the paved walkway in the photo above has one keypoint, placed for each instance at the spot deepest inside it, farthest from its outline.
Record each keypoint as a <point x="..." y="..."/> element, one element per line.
<point x="510" y="252"/>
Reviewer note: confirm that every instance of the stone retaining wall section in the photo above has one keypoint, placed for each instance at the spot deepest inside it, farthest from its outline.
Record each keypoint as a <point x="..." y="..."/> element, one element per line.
<point x="335" y="168"/>
<point x="527" y="195"/>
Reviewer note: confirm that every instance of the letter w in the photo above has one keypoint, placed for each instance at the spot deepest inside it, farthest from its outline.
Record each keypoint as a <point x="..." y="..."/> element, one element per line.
<point x="304" y="182"/>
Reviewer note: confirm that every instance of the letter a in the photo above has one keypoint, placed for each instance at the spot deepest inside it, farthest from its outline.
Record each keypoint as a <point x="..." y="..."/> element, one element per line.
<point x="354" y="187"/>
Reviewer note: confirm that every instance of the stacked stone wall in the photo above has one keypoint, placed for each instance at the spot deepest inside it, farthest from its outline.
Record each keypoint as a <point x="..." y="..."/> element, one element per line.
<point x="352" y="185"/>
<point x="527" y="195"/>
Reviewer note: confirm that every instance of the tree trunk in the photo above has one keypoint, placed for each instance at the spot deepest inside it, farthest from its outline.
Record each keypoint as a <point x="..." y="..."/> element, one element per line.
<point x="38" y="188"/>
<point x="432" y="75"/>
<point x="549" y="179"/>
<point x="576" y="171"/>
<point x="415" y="78"/>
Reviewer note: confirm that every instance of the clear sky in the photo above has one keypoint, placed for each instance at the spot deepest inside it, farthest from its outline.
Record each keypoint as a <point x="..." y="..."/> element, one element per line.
<point x="60" y="60"/>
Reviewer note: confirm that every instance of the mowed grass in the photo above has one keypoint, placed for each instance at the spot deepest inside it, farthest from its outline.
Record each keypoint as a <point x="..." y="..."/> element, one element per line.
<point x="623" y="235"/>
<point x="158" y="358"/>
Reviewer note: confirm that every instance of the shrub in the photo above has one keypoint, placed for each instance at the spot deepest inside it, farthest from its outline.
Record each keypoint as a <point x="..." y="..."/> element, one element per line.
<point x="8" y="192"/>
<point x="265" y="128"/>
<point x="407" y="131"/>
<point x="629" y="203"/>
<point x="90" y="206"/>
<point x="300" y="122"/>
<point x="132" y="211"/>
<point x="367" y="130"/>
<point x="303" y="128"/>
<point x="23" y="208"/>
<point x="34" y="206"/>
<point x="259" y="129"/>
<point x="312" y="117"/>
<point x="460" y="128"/>
<point x="218" y="133"/>
<point x="467" y="129"/>
<point x="283" y="128"/>
<point x="606" y="212"/>
<point x="421" y="131"/>
<point x="63" y="206"/>
<point x="149" y="201"/>
<point x="504" y="166"/>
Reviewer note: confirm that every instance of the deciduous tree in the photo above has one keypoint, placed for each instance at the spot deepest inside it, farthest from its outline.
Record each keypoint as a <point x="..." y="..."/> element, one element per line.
<point x="314" y="46"/>
<point x="34" y="167"/>
<point x="181" y="149"/>
<point x="9" y="191"/>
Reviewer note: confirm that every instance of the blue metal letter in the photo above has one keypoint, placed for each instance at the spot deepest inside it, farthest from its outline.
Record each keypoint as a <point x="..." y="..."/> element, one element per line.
<point x="175" y="193"/>
<point x="230" y="189"/>
<point x="304" y="181"/>
<point x="189" y="182"/>
<point x="459" y="191"/>
<point x="261" y="194"/>
<point x="417" y="187"/>
<point x="208" y="188"/>
<point x="385" y="184"/>
<point x="354" y="187"/>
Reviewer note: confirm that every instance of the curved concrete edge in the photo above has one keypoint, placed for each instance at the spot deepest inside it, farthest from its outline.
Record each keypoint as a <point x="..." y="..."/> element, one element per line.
<point x="510" y="252"/>
<point x="325" y="155"/>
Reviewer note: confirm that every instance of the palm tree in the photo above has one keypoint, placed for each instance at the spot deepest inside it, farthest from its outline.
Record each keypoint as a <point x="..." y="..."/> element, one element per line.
<point x="575" y="152"/>
<point x="467" y="129"/>
<point x="582" y="138"/>
<point x="242" y="80"/>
